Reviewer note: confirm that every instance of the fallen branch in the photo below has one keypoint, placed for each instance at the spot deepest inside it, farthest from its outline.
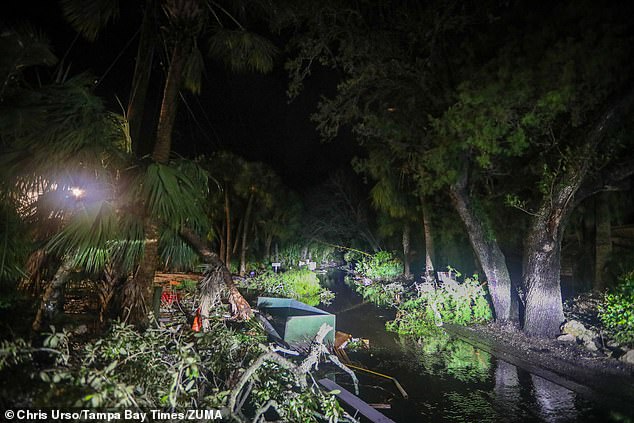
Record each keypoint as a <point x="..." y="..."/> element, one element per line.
<point x="240" y="308"/>
<point x="300" y="372"/>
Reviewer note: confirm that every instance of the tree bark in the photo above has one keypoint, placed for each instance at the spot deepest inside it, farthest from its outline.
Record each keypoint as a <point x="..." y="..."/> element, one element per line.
<point x="406" y="250"/>
<point x="602" y="240"/>
<point x="544" y="308"/>
<point x="240" y="308"/>
<point x="141" y="78"/>
<point x="487" y="251"/>
<point x="169" y="103"/>
<point x="542" y="253"/>
<point x="267" y="246"/>
<point x="245" y="231"/>
<point x="227" y="257"/>
<point x="138" y="291"/>
<point x="52" y="295"/>
<point x="429" y="243"/>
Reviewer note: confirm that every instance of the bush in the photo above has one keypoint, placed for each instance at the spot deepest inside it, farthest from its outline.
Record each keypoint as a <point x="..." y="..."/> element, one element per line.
<point x="381" y="266"/>
<point x="617" y="311"/>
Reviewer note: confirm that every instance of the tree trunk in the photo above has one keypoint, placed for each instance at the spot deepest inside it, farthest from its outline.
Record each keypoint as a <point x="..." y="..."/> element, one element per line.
<point x="236" y="242"/>
<point x="239" y="306"/>
<point x="603" y="240"/>
<point x="221" y="247"/>
<point x="169" y="104"/>
<point x="138" y="291"/>
<point x="267" y="246"/>
<point x="429" y="243"/>
<point x="542" y="258"/>
<point x="245" y="231"/>
<point x="141" y="78"/>
<point x="406" y="250"/>
<point x="544" y="308"/>
<point x="227" y="257"/>
<point x="52" y="295"/>
<point x="487" y="250"/>
<point x="542" y="252"/>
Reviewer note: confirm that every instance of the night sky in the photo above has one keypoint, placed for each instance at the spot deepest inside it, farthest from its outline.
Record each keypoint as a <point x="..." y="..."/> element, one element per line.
<point x="248" y="114"/>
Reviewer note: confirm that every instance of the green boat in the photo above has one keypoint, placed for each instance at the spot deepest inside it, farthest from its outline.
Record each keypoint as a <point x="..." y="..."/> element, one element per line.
<point x="294" y="322"/>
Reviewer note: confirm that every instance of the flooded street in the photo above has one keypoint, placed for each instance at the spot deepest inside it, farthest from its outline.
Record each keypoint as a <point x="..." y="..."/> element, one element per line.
<point x="446" y="379"/>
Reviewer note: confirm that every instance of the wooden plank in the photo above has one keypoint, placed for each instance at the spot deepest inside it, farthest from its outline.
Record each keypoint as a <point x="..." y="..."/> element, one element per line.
<point x="167" y="277"/>
<point x="355" y="402"/>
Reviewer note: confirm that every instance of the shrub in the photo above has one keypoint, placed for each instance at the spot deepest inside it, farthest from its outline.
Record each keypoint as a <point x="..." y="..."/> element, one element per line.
<point x="381" y="266"/>
<point x="617" y="311"/>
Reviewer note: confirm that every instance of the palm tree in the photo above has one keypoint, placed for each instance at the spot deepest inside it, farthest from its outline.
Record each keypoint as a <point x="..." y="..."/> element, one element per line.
<point x="187" y="21"/>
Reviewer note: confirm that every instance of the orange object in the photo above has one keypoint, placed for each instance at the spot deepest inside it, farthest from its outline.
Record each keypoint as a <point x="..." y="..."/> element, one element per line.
<point x="198" y="322"/>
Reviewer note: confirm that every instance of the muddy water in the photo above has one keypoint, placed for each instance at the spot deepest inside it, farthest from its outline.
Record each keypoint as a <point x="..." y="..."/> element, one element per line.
<point x="446" y="379"/>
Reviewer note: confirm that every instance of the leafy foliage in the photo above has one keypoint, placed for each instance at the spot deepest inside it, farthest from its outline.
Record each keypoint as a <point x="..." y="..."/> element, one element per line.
<point x="161" y="368"/>
<point x="301" y="284"/>
<point x="381" y="266"/>
<point x="382" y="294"/>
<point x="455" y="302"/>
<point x="617" y="313"/>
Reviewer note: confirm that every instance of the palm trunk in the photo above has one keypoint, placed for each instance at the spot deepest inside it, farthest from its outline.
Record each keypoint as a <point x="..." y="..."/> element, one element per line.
<point x="169" y="104"/>
<point x="487" y="250"/>
<point x="141" y="78"/>
<point x="245" y="231"/>
<point x="138" y="291"/>
<point x="52" y="295"/>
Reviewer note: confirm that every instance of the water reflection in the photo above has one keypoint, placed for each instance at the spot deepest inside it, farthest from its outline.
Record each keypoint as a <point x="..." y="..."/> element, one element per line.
<point x="555" y="402"/>
<point x="448" y="379"/>
<point x="439" y="354"/>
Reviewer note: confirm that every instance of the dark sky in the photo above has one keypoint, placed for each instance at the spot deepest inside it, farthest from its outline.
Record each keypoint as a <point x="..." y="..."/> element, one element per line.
<point x="248" y="114"/>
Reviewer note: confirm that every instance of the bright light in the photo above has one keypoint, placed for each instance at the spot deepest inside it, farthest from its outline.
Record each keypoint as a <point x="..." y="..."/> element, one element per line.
<point x="77" y="192"/>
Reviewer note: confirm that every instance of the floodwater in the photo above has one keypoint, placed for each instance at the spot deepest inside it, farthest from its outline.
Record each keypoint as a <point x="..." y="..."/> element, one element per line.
<point x="447" y="379"/>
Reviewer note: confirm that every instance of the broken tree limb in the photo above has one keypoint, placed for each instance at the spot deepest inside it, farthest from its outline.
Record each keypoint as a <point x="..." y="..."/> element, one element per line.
<point x="240" y="308"/>
<point x="301" y="372"/>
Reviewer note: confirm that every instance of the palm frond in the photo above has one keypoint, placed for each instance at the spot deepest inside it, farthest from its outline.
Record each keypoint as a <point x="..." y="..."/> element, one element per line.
<point x="87" y="236"/>
<point x="242" y="50"/>
<point x="170" y="195"/>
<point x="176" y="254"/>
<point x="61" y="129"/>
<point x="89" y="17"/>
<point x="127" y="250"/>
<point x="14" y="246"/>
<point x="20" y="47"/>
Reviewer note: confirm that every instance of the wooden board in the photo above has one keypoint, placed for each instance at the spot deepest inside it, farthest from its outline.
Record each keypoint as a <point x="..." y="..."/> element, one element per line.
<point x="355" y="402"/>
